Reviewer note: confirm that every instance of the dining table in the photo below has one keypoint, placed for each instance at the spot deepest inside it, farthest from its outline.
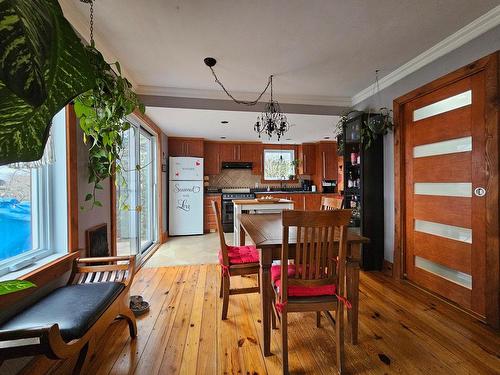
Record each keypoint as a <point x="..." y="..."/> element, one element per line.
<point x="266" y="232"/>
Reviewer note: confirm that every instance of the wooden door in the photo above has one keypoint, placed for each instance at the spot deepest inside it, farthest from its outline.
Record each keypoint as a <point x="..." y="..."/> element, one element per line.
<point x="212" y="158"/>
<point x="445" y="205"/>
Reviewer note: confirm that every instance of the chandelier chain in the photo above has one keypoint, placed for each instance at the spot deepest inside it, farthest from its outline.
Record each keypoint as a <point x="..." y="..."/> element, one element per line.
<point x="238" y="101"/>
<point x="91" y="22"/>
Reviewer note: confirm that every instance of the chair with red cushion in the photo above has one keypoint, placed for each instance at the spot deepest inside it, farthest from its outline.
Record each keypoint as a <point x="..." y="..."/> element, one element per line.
<point x="234" y="261"/>
<point x="315" y="280"/>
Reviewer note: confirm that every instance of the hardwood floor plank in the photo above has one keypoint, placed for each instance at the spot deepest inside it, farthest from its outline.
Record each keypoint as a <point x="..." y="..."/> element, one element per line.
<point x="151" y="359"/>
<point x="172" y="356"/>
<point x="248" y="345"/>
<point x="116" y="337"/>
<point x="403" y="330"/>
<point x="207" y="355"/>
<point x="192" y="344"/>
<point x="134" y="349"/>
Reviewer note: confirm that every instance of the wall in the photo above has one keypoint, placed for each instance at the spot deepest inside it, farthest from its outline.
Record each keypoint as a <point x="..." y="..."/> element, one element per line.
<point x="241" y="178"/>
<point x="88" y="218"/>
<point x="475" y="49"/>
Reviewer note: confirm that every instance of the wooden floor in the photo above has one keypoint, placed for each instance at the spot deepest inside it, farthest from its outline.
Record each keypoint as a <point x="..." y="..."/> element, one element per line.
<point x="402" y="330"/>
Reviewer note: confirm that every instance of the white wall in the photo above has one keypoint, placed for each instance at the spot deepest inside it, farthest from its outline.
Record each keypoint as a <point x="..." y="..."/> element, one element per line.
<point x="473" y="50"/>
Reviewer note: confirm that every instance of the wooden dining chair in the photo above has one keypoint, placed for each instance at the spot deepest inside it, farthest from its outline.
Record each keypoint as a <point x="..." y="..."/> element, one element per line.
<point x="315" y="280"/>
<point x="234" y="261"/>
<point x="330" y="203"/>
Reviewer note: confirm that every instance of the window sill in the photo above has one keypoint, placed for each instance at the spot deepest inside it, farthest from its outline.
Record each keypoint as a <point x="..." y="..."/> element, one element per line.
<point x="33" y="267"/>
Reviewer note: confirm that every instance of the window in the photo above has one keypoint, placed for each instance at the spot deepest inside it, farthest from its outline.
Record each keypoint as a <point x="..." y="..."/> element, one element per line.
<point x="279" y="165"/>
<point x="33" y="209"/>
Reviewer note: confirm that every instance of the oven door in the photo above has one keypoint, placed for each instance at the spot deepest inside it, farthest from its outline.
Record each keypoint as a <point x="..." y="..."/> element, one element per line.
<point x="227" y="215"/>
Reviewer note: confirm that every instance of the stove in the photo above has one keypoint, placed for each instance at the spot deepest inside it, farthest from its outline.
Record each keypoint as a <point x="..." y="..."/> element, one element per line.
<point x="228" y="195"/>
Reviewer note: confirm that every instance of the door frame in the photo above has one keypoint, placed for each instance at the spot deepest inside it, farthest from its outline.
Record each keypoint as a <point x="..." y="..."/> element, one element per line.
<point x="490" y="65"/>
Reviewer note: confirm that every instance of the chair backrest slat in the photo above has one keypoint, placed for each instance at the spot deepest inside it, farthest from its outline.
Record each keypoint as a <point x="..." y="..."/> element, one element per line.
<point x="220" y="231"/>
<point x="320" y="239"/>
<point x="331" y="203"/>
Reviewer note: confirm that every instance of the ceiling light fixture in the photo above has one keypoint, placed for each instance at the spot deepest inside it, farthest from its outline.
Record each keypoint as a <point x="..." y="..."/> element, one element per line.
<point x="272" y="121"/>
<point x="224" y="122"/>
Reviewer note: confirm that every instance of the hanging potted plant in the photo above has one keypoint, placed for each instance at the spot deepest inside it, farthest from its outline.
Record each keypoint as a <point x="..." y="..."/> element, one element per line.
<point x="103" y="112"/>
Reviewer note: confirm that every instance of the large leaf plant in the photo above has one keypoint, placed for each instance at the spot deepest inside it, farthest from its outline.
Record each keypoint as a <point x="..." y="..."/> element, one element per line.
<point x="103" y="113"/>
<point x="43" y="66"/>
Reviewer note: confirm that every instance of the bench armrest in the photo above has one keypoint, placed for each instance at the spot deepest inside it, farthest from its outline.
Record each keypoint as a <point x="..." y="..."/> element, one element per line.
<point x="92" y="270"/>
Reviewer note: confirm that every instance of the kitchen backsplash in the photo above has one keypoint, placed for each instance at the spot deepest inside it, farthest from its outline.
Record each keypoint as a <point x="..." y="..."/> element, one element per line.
<point x="241" y="178"/>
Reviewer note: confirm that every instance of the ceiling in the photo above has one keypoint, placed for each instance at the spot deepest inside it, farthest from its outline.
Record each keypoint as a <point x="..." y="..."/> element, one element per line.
<point x="206" y="124"/>
<point x="317" y="48"/>
<point x="320" y="51"/>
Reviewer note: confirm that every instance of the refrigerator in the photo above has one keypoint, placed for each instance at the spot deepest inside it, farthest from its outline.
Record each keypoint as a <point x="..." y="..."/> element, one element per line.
<point x="185" y="196"/>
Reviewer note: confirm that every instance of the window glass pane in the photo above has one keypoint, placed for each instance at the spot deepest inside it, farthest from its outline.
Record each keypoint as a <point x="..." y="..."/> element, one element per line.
<point x="444" y="272"/>
<point x="15" y="211"/>
<point x="279" y="164"/>
<point x="445" y="147"/>
<point x="126" y="237"/>
<point x="146" y="191"/>
<point x="445" y="105"/>
<point x="450" y="189"/>
<point x="444" y="230"/>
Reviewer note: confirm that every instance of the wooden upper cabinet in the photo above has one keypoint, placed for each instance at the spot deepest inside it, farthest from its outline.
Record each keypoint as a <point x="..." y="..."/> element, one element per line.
<point x="257" y="159"/>
<point x="246" y="152"/>
<point x="212" y="160"/>
<point x="307" y="158"/>
<point x="327" y="152"/>
<point x="185" y="147"/>
<point x="228" y="151"/>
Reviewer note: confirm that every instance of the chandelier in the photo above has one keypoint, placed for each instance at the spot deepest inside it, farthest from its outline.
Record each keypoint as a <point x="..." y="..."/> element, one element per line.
<point x="272" y="121"/>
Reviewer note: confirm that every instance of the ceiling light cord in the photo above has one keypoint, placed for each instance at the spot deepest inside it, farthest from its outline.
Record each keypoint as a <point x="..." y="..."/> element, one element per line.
<point x="238" y="101"/>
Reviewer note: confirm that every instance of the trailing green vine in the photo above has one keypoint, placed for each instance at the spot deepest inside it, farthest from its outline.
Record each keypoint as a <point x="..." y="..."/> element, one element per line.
<point x="103" y="112"/>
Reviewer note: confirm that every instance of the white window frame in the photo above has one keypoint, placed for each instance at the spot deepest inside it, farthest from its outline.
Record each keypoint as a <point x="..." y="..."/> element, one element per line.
<point x="277" y="151"/>
<point x="49" y="242"/>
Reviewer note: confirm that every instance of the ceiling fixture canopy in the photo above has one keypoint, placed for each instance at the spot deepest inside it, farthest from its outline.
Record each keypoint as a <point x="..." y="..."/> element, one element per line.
<point x="272" y="121"/>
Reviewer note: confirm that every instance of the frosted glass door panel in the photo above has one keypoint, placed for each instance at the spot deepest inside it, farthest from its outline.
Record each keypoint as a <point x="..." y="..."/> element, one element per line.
<point x="444" y="230"/>
<point x="445" y="147"/>
<point x="445" y="105"/>
<point x="448" y="189"/>
<point x="447" y="273"/>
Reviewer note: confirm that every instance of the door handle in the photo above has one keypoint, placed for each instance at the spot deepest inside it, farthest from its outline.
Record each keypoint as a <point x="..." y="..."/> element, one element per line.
<point x="480" y="191"/>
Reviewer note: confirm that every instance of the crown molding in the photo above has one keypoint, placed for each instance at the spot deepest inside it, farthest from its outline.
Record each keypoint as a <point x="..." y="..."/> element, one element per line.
<point x="81" y="26"/>
<point x="477" y="27"/>
<point x="340" y="101"/>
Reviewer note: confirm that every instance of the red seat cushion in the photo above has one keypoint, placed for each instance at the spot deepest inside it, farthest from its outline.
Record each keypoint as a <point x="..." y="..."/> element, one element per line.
<point x="241" y="254"/>
<point x="301" y="291"/>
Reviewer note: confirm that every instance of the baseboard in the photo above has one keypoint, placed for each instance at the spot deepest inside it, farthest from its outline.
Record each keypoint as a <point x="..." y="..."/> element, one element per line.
<point x="164" y="237"/>
<point x="387" y="268"/>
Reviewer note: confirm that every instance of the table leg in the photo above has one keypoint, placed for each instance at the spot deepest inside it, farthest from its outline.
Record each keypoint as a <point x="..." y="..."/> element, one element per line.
<point x="242" y="236"/>
<point x="265" y="299"/>
<point x="352" y="280"/>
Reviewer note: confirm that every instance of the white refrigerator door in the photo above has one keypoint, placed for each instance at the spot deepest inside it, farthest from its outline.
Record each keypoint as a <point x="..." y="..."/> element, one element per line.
<point x="186" y="208"/>
<point x="186" y="169"/>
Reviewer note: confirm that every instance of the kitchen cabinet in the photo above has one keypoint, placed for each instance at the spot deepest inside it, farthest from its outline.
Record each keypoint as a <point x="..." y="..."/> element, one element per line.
<point x="307" y="158"/>
<point x="212" y="160"/>
<point x="328" y="160"/>
<point x="185" y="147"/>
<point x="209" y="218"/>
<point x="312" y="202"/>
<point x="229" y="152"/>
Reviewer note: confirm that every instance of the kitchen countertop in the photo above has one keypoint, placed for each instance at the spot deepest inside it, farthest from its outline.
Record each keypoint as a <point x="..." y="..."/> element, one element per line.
<point x="276" y="192"/>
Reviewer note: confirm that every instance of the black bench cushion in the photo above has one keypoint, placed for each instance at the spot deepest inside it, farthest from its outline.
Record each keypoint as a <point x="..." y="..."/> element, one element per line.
<point x="74" y="307"/>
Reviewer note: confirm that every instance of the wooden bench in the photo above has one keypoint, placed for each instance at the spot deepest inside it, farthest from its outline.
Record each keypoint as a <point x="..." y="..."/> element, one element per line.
<point x="69" y="320"/>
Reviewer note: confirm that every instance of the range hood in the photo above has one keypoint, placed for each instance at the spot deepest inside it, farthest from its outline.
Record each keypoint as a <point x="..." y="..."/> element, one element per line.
<point x="236" y="165"/>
